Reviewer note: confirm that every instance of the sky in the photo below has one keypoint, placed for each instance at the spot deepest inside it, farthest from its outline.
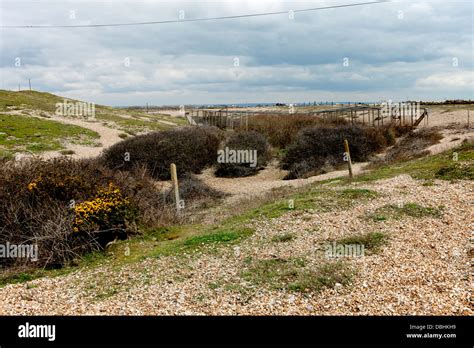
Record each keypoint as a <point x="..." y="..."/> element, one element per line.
<point x="401" y="50"/>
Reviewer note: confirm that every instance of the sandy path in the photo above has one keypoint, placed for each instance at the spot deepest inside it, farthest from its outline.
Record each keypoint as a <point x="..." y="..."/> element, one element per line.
<point x="266" y="180"/>
<point x="108" y="136"/>
<point x="451" y="138"/>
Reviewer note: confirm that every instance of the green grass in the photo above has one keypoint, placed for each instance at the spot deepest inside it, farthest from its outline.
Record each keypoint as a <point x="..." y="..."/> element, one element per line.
<point x="392" y="211"/>
<point x="294" y="274"/>
<point x="371" y="241"/>
<point x="439" y="166"/>
<point x="314" y="198"/>
<point x="456" y="171"/>
<point x="29" y="99"/>
<point x="131" y="124"/>
<point x="358" y="194"/>
<point x="220" y="236"/>
<point x="25" y="277"/>
<point x="23" y="133"/>
<point x="139" y="121"/>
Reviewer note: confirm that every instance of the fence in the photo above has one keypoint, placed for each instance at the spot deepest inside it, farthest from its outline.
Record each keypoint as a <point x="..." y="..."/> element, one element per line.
<point x="226" y="119"/>
<point x="375" y="116"/>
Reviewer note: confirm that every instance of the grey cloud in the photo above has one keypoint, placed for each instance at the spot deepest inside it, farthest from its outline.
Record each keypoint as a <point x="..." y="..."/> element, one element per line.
<point x="405" y="56"/>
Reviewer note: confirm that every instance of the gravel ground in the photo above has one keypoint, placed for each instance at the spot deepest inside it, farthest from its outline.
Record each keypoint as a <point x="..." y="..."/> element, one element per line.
<point x="423" y="269"/>
<point x="266" y="180"/>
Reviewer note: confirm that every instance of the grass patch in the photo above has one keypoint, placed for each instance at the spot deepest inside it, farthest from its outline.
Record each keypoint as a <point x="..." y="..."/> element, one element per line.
<point x="23" y="133"/>
<point x="411" y="146"/>
<point x="456" y="171"/>
<point x="24" y="277"/>
<point x="30" y="99"/>
<point x="282" y="238"/>
<point x="293" y="274"/>
<point x="371" y="241"/>
<point x="131" y="124"/>
<point x="427" y="168"/>
<point x="315" y="198"/>
<point x="358" y="194"/>
<point x="220" y="236"/>
<point x="392" y="211"/>
<point x="135" y="121"/>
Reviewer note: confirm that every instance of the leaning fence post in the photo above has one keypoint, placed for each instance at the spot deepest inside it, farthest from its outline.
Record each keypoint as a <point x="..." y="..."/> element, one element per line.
<point x="174" y="179"/>
<point x="348" y="157"/>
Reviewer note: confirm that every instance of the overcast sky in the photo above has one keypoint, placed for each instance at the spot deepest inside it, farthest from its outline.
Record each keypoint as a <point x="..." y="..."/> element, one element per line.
<point x="399" y="50"/>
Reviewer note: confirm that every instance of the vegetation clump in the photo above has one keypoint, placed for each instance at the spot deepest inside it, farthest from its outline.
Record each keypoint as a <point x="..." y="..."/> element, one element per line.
<point x="243" y="154"/>
<point x="71" y="207"/>
<point x="190" y="148"/>
<point x="294" y="274"/>
<point x="319" y="149"/>
<point x="407" y="209"/>
<point x="372" y="241"/>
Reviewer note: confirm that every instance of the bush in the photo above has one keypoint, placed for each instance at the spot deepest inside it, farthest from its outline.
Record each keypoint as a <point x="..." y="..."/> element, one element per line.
<point x="68" y="207"/>
<point x="411" y="146"/>
<point x="251" y="141"/>
<point x="281" y="130"/>
<point x="318" y="148"/>
<point x="193" y="189"/>
<point x="107" y="210"/>
<point x="190" y="148"/>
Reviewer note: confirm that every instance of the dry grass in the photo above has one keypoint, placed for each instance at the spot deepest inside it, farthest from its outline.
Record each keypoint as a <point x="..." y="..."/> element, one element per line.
<point x="411" y="146"/>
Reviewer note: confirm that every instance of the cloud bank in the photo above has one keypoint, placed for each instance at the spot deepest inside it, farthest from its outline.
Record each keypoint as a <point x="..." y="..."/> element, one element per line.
<point x="398" y="50"/>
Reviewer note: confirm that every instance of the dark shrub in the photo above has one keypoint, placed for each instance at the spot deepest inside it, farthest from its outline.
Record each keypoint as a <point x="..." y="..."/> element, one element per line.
<point x="251" y="141"/>
<point x="190" y="148"/>
<point x="193" y="189"/>
<point x="317" y="147"/>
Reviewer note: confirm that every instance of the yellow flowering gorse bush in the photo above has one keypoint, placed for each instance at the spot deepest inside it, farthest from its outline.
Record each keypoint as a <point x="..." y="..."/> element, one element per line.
<point x="108" y="210"/>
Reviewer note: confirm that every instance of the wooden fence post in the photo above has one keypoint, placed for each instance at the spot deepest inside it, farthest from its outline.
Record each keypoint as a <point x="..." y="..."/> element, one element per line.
<point x="174" y="179"/>
<point x="348" y="156"/>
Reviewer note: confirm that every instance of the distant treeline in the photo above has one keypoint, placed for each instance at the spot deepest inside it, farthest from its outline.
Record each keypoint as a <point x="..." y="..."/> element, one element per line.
<point x="450" y="102"/>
